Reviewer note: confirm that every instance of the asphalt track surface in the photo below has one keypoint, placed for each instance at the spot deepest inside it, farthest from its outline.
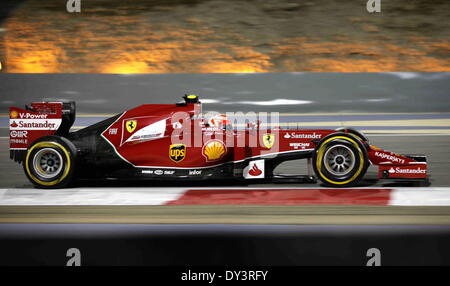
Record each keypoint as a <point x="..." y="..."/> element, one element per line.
<point x="270" y="92"/>
<point x="434" y="146"/>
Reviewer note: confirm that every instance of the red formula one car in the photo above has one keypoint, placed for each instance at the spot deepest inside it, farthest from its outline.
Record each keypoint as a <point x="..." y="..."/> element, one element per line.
<point x="175" y="142"/>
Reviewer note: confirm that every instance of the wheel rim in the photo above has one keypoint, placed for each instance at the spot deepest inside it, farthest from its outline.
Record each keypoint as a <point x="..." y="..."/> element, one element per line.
<point x="339" y="160"/>
<point x="47" y="163"/>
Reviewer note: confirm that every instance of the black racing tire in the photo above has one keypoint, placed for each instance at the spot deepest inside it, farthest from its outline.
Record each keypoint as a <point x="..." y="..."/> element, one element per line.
<point x="50" y="162"/>
<point x="340" y="160"/>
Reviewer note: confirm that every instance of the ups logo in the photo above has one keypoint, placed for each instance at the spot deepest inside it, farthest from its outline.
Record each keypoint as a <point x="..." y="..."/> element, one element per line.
<point x="177" y="152"/>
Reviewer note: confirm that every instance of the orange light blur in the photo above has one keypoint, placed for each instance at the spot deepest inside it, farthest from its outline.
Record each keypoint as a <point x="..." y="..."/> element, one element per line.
<point x="126" y="44"/>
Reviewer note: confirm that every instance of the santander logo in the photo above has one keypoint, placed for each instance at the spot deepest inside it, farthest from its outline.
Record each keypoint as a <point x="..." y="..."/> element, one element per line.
<point x="302" y="135"/>
<point x="407" y="171"/>
<point x="255" y="171"/>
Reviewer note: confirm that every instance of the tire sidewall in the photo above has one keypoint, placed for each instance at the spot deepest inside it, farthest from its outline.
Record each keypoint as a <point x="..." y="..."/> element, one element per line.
<point x="64" y="148"/>
<point x="357" y="148"/>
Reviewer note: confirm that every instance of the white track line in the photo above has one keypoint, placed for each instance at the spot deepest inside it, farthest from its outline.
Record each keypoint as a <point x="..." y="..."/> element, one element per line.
<point x="420" y="197"/>
<point x="90" y="196"/>
<point x="160" y="196"/>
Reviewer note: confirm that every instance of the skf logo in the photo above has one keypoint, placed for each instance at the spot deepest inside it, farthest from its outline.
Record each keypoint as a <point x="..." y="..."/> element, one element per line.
<point x="13" y="114"/>
<point x="268" y="140"/>
<point x="131" y="125"/>
<point x="177" y="152"/>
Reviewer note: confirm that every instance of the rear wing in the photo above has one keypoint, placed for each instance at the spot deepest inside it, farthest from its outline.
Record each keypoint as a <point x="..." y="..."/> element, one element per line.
<point x="37" y="120"/>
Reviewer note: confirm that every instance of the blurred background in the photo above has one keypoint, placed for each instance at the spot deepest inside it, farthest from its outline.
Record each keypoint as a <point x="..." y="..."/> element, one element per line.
<point x="298" y="92"/>
<point x="387" y="102"/>
<point x="223" y="36"/>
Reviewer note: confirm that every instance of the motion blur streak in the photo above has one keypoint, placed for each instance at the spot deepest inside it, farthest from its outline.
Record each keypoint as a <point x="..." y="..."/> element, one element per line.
<point x="294" y="196"/>
<point x="268" y="195"/>
<point x="217" y="36"/>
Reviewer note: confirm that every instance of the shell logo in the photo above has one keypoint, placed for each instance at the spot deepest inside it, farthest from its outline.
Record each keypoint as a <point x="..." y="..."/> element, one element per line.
<point x="13" y="114"/>
<point x="214" y="150"/>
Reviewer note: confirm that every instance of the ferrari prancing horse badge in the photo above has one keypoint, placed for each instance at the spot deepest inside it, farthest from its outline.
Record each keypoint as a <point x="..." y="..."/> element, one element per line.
<point x="268" y="140"/>
<point x="131" y="125"/>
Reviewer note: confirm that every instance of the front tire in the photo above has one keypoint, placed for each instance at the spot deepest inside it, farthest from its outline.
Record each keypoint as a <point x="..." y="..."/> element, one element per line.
<point x="50" y="162"/>
<point x="340" y="160"/>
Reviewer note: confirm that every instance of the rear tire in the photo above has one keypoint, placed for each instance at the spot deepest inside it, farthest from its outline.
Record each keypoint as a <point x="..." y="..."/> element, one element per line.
<point x="50" y="162"/>
<point x="340" y="160"/>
